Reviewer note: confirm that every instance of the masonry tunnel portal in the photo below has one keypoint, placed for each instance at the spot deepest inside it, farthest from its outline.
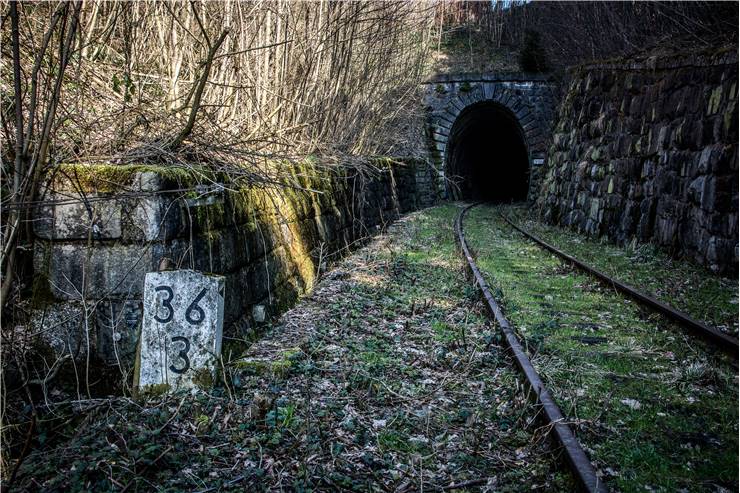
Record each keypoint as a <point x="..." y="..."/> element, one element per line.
<point x="487" y="156"/>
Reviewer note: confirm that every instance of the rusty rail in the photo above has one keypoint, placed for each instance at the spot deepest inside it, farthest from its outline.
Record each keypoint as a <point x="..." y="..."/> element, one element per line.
<point x="725" y="342"/>
<point x="580" y="465"/>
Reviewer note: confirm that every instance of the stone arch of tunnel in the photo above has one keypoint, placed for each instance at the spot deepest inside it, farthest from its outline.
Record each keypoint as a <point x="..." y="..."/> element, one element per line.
<point x="487" y="157"/>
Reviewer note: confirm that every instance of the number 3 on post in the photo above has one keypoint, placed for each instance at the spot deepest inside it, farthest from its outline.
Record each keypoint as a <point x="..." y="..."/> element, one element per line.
<point x="166" y="303"/>
<point x="181" y="330"/>
<point x="183" y="355"/>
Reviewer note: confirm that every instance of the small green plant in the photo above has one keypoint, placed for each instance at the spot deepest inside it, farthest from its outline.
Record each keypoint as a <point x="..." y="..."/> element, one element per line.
<point x="202" y="421"/>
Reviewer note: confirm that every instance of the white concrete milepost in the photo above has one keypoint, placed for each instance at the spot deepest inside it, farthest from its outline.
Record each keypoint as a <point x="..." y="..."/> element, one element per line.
<point x="182" y="328"/>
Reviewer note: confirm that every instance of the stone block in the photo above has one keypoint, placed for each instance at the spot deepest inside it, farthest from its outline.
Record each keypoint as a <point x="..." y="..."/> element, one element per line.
<point x="595" y="210"/>
<point x="648" y="169"/>
<point x="661" y="140"/>
<point x="665" y="230"/>
<point x="708" y="195"/>
<point x="157" y="218"/>
<point x="695" y="190"/>
<point x="665" y="182"/>
<point x="238" y="293"/>
<point x="326" y="226"/>
<point x="264" y="274"/>
<point x="62" y="327"/>
<point x="98" y="218"/>
<point x="729" y="131"/>
<point x="722" y="224"/>
<point x="628" y="218"/>
<point x="99" y="271"/>
<point x="117" y="325"/>
<point x="725" y="193"/>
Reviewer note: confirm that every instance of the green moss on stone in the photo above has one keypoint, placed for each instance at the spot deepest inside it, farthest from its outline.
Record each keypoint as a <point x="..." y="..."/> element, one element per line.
<point x="156" y="390"/>
<point x="109" y="178"/>
<point x="203" y="379"/>
<point x="278" y="367"/>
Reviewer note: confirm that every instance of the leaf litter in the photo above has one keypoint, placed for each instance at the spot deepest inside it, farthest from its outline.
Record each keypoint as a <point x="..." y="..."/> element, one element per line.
<point x="388" y="377"/>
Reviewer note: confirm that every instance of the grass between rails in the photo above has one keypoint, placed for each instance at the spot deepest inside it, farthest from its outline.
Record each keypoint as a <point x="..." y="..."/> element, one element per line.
<point x="682" y="284"/>
<point x="656" y="409"/>
<point x="387" y="378"/>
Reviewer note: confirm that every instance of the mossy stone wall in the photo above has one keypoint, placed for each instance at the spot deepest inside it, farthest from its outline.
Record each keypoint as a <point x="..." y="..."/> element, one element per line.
<point x="109" y="225"/>
<point x="647" y="150"/>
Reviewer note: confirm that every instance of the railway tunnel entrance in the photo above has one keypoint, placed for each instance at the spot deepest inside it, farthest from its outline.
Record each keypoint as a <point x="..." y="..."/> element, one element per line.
<point x="487" y="156"/>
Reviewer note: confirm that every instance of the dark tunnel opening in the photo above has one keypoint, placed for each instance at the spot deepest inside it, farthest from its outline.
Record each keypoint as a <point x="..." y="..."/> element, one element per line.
<point x="487" y="156"/>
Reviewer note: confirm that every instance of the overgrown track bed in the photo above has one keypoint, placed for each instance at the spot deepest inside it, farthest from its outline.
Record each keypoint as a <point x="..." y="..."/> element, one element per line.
<point x="655" y="408"/>
<point x="720" y="339"/>
<point x="388" y="377"/>
<point x="576" y="458"/>
<point x="708" y="298"/>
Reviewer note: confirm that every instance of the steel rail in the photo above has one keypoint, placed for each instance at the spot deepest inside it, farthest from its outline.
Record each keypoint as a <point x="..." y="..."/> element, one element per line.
<point x="725" y="342"/>
<point x="578" y="461"/>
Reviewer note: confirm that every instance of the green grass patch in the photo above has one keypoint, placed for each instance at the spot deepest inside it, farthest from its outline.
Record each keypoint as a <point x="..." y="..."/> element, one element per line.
<point x="687" y="286"/>
<point x="642" y="393"/>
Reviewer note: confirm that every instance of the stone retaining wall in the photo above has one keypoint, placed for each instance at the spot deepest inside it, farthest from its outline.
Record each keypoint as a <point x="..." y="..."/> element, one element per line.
<point x="112" y="224"/>
<point x="646" y="149"/>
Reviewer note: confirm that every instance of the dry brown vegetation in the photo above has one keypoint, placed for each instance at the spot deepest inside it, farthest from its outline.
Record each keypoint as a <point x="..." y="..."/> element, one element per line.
<point x="232" y="84"/>
<point x="144" y="79"/>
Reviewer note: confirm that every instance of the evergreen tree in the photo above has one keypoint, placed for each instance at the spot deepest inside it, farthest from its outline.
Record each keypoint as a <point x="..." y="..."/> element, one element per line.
<point x="532" y="57"/>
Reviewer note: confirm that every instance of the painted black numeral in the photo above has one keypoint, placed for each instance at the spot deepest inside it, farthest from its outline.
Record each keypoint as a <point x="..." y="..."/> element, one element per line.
<point x="194" y="308"/>
<point x="183" y="355"/>
<point x="165" y="303"/>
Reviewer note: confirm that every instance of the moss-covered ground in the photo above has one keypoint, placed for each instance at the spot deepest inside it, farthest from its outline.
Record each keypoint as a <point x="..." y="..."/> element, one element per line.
<point x="655" y="408"/>
<point x="689" y="287"/>
<point x="387" y="378"/>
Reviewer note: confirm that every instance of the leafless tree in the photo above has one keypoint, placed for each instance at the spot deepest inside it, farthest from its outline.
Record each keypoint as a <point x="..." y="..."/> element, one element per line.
<point x="235" y="85"/>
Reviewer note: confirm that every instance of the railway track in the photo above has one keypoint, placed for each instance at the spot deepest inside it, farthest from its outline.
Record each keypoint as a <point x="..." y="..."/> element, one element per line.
<point x="721" y="340"/>
<point x="579" y="463"/>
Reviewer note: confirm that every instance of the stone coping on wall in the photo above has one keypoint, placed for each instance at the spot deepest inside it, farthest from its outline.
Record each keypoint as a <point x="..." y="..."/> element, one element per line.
<point x="489" y="77"/>
<point x="664" y="61"/>
<point x="106" y="226"/>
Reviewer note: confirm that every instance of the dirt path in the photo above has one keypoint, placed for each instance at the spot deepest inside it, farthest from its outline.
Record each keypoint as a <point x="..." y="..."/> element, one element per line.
<point x="388" y="378"/>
